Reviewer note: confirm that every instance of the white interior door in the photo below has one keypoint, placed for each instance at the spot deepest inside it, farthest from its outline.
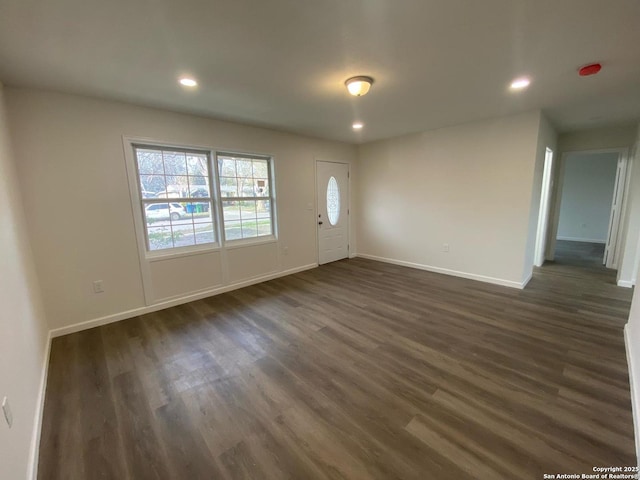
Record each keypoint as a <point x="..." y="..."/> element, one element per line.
<point x="543" y="218"/>
<point x="333" y="211"/>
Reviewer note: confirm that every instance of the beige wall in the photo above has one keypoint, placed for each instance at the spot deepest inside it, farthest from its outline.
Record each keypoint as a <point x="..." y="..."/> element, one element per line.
<point x="72" y="170"/>
<point x="588" y="186"/>
<point x="470" y="186"/>
<point x="632" y="340"/>
<point x="598" y="138"/>
<point x="23" y="330"/>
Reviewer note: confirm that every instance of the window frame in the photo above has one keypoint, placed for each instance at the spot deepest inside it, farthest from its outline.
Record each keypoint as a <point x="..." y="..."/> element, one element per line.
<point x="137" y="201"/>
<point x="235" y="242"/>
<point x="145" y="202"/>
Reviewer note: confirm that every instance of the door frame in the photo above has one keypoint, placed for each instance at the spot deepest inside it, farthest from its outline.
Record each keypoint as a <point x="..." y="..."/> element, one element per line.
<point x="544" y="208"/>
<point x="616" y="219"/>
<point x="617" y="230"/>
<point x="315" y="201"/>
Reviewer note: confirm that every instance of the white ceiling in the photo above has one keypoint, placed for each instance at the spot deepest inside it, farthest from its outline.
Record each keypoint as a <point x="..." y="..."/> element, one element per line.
<point x="282" y="63"/>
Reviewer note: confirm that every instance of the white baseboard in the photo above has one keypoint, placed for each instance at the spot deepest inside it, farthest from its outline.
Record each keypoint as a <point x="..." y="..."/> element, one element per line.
<point x="635" y="395"/>
<point x="527" y="280"/>
<point x="446" y="271"/>
<point x="116" y="317"/>
<point x="32" y="472"/>
<point x="626" y="283"/>
<point x="579" y="239"/>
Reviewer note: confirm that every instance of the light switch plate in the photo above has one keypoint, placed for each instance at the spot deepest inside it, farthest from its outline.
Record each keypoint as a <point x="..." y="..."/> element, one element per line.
<point x="98" y="287"/>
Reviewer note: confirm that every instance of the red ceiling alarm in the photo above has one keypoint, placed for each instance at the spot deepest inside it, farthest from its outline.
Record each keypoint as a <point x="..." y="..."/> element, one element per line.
<point x="590" y="69"/>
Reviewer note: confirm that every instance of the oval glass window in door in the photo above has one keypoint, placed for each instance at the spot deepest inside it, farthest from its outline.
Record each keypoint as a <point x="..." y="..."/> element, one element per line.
<point x="333" y="201"/>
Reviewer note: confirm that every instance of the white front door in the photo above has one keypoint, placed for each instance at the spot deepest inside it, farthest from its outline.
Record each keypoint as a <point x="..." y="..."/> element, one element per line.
<point x="333" y="211"/>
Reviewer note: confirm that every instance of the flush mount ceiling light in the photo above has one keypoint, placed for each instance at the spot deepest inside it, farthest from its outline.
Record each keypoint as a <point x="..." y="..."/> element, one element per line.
<point x="520" y="83"/>
<point x="357" y="126"/>
<point x="188" y="82"/>
<point x="359" y="86"/>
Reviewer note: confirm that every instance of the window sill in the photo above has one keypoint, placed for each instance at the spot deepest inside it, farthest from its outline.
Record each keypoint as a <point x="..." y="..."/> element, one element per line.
<point x="250" y="242"/>
<point x="210" y="248"/>
<point x="183" y="252"/>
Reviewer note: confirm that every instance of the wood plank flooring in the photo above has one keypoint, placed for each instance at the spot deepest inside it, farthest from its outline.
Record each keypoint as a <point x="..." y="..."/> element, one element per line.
<point x="354" y="370"/>
<point x="579" y="254"/>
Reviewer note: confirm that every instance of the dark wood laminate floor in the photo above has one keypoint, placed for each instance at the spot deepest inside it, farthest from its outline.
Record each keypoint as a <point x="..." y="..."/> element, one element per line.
<point x="579" y="254"/>
<point x="354" y="370"/>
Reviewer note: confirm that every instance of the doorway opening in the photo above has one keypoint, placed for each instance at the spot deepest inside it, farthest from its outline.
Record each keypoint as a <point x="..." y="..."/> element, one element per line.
<point x="588" y="208"/>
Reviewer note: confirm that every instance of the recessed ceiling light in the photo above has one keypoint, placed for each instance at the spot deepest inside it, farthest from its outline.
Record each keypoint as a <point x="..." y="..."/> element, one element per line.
<point x="520" y="83"/>
<point x="188" y="82"/>
<point x="357" y="126"/>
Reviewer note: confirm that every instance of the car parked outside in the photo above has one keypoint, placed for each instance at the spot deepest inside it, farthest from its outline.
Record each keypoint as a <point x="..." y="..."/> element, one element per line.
<point x="162" y="211"/>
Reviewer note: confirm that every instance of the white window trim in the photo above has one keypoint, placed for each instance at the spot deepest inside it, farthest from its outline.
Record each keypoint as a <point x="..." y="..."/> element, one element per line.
<point x="145" y="255"/>
<point x="250" y="242"/>
<point x="239" y="242"/>
<point x="137" y="201"/>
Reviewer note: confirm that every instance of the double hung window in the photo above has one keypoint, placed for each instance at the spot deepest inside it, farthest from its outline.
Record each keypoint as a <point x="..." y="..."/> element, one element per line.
<point x="194" y="198"/>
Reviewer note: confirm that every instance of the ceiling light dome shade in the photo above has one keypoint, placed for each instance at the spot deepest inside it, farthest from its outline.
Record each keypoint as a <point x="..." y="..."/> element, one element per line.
<point x="359" y="86"/>
<point x="188" y="82"/>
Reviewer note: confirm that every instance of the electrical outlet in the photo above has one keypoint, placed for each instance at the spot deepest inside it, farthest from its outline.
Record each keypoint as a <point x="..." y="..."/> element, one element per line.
<point x="97" y="286"/>
<point x="6" y="408"/>
<point x="445" y="247"/>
